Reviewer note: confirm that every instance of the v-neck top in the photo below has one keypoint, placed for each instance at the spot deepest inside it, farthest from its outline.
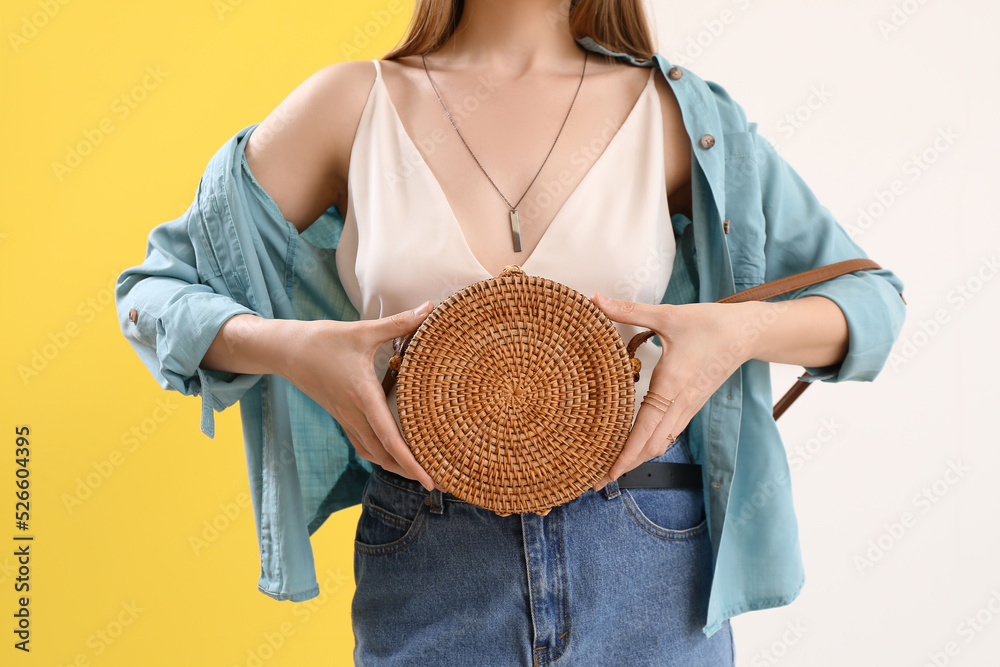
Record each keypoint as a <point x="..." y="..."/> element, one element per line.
<point x="402" y="244"/>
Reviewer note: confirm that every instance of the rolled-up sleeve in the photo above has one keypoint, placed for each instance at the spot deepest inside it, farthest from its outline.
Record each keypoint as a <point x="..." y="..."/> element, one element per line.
<point x="802" y="234"/>
<point x="171" y="317"/>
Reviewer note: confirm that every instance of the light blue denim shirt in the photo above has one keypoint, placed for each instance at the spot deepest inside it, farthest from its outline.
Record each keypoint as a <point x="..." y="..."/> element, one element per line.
<point x="233" y="252"/>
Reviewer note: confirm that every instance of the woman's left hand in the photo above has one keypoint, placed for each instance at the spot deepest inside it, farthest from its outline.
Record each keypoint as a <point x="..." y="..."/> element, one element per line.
<point x="703" y="344"/>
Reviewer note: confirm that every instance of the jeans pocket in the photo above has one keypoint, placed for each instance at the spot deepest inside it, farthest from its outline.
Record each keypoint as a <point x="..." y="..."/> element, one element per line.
<point x="391" y="517"/>
<point x="672" y="513"/>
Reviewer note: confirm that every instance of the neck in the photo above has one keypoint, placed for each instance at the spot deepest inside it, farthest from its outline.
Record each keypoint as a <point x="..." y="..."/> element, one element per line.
<point x="514" y="38"/>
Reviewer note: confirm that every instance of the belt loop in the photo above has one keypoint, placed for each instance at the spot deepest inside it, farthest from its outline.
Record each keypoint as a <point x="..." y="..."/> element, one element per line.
<point x="437" y="501"/>
<point x="611" y="490"/>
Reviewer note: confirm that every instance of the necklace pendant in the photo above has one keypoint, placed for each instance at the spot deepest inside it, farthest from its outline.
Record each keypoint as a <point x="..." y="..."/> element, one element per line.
<point x="515" y="229"/>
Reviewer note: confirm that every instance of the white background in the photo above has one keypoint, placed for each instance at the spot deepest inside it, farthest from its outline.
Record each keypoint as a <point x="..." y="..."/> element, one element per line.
<point x="854" y="94"/>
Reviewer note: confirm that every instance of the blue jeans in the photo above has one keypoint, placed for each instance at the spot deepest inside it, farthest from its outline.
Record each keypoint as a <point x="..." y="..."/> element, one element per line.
<point x="619" y="576"/>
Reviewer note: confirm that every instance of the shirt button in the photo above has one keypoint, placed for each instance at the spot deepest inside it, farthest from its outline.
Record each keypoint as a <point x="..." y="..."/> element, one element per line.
<point x="133" y="315"/>
<point x="725" y="228"/>
<point x="707" y="141"/>
<point x="675" y="73"/>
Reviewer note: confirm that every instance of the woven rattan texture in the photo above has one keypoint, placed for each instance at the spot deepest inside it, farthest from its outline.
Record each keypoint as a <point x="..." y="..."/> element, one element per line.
<point x="516" y="393"/>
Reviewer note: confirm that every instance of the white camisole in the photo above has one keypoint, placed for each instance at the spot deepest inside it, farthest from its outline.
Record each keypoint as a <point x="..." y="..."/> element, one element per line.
<point x="402" y="245"/>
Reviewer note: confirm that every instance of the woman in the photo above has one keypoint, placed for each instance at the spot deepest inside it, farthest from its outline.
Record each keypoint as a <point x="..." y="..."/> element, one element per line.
<point x="599" y="159"/>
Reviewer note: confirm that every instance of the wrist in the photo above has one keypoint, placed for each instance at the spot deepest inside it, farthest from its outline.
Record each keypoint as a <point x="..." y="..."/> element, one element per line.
<point x="283" y="343"/>
<point x="756" y="317"/>
<point x="252" y="344"/>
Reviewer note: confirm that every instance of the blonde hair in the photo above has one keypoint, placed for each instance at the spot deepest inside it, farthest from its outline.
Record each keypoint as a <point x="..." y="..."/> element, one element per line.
<point x="618" y="25"/>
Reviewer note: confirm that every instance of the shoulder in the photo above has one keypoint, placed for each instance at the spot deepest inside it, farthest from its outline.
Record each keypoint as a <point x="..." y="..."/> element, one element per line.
<point x="301" y="150"/>
<point x="345" y="85"/>
<point x="324" y="109"/>
<point x="342" y="91"/>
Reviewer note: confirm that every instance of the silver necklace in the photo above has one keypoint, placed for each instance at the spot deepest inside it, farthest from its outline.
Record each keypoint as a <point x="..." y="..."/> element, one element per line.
<point x="515" y="226"/>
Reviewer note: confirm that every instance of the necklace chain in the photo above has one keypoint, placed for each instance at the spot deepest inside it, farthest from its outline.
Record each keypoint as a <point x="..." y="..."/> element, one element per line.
<point x="515" y="229"/>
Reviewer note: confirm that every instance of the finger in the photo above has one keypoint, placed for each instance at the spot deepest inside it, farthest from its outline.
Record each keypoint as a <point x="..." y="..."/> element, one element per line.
<point x="603" y="482"/>
<point x="669" y="428"/>
<point x="387" y="432"/>
<point x="646" y="423"/>
<point x="398" y="324"/>
<point x="651" y="417"/>
<point x="666" y="433"/>
<point x="629" y="312"/>
<point x="357" y="441"/>
<point x="366" y="442"/>
<point x="379" y="454"/>
<point x="370" y="448"/>
<point x="391" y="465"/>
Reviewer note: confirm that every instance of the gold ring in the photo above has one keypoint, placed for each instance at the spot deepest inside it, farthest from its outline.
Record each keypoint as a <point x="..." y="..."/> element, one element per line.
<point x="654" y="400"/>
<point x="671" y="438"/>
<point x="653" y="405"/>
<point x="668" y="401"/>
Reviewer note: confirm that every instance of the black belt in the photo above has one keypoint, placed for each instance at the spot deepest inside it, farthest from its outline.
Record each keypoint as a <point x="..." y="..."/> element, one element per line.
<point x="662" y="474"/>
<point x="648" y="475"/>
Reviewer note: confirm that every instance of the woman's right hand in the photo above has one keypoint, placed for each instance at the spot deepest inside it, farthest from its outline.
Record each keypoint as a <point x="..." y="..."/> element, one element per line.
<point x="331" y="361"/>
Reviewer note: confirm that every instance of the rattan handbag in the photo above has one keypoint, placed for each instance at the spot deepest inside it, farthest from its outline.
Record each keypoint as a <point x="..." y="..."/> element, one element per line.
<point x="517" y="393"/>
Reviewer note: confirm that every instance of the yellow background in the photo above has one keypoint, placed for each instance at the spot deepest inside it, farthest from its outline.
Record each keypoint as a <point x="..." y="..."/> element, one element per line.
<point x="122" y="479"/>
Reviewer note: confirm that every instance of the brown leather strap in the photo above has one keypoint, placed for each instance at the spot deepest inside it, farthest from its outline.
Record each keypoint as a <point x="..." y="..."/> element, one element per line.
<point x="757" y="293"/>
<point x="399" y="345"/>
<point x="799" y="280"/>
<point x="790" y="396"/>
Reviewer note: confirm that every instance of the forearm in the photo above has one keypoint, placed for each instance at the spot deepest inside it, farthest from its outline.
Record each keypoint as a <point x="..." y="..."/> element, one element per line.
<point x="810" y="331"/>
<point x="252" y="344"/>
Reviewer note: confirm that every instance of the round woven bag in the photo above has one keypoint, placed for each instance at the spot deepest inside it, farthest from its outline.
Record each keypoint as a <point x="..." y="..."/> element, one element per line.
<point x="516" y="393"/>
